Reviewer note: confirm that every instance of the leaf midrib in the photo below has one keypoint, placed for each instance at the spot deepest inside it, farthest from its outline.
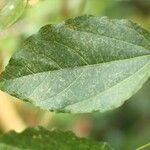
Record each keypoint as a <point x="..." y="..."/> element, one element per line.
<point x="76" y="67"/>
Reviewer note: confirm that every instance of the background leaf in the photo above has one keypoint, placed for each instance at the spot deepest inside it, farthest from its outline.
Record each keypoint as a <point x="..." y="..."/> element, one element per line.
<point x="11" y="11"/>
<point x="85" y="64"/>
<point x="41" y="138"/>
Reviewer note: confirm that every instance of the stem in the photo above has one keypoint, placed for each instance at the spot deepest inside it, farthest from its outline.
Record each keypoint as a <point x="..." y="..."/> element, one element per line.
<point x="143" y="146"/>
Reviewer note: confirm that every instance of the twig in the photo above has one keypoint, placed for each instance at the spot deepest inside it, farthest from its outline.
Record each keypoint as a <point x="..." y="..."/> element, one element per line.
<point x="143" y="146"/>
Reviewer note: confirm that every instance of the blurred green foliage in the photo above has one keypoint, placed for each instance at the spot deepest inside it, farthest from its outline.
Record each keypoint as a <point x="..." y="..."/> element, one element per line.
<point x="10" y="12"/>
<point x="125" y="128"/>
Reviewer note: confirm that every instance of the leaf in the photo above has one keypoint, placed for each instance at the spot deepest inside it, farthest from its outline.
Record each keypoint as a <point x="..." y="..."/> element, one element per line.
<point x="40" y="139"/>
<point x="82" y="65"/>
<point x="11" y="11"/>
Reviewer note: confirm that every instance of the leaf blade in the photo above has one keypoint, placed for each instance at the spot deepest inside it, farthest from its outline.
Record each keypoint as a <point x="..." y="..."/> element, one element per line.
<point x="63" y="67"/>
<point x="40" y="138"/>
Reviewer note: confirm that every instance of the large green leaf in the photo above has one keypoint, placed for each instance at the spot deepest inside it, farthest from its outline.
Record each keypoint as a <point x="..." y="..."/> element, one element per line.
<point x="42" y="139"/>
<point x="82" y="65"/>
<point x="11" y="11"/>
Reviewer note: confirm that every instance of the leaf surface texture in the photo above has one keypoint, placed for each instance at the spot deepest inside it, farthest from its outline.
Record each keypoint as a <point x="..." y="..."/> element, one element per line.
<point x="84" y="64"/>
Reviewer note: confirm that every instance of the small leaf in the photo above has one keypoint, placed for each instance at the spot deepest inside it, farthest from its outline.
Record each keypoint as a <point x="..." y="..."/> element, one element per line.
<point x="11" y="11"/>
<point x="42" y="139"/>
<point x="82" y="65"/>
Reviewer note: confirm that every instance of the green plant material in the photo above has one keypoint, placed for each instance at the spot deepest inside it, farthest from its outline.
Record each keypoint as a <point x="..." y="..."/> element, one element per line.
<point x="40" y="139"/>
<point x="144" y="147"/>
<point x="82" y="65"/>
<point x="11" y="11"/>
